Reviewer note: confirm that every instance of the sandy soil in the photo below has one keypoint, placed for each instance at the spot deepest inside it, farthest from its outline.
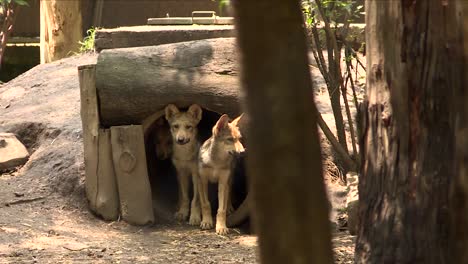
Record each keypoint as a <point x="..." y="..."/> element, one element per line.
<point x="43" y="212"/>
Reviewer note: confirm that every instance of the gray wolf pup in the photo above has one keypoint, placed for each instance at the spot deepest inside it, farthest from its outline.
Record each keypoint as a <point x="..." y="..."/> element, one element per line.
<point x="215" y="164"/>
<point x="183" y="127"/>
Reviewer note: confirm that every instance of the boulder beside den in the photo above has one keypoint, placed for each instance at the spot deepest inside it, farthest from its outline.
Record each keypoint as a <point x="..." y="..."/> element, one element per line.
<point x="12" y="152"/>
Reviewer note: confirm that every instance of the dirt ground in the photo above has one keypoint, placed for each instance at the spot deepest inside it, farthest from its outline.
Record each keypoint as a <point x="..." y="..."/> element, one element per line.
<point x="43" y="212"/>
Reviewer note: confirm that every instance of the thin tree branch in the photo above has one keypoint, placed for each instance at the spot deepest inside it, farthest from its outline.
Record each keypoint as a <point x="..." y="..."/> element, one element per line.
<point x="348" y="162"/>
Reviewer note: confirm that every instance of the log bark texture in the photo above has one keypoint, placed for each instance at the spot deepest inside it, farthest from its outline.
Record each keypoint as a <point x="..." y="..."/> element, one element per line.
<point x="134" y="83"/>
<point x="289" y="204"/>
<point x="413" y="75"/>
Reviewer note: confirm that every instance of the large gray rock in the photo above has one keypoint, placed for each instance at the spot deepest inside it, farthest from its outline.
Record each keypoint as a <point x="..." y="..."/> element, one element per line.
<point x="12" y="152"/>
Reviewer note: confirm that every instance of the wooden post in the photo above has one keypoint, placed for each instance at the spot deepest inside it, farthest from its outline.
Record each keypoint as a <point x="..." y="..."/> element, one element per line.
<point x="90" y="123"/>
<point x="100" y="182"/>
<point x="107" y="198"/>
<point x="129" y="156"/>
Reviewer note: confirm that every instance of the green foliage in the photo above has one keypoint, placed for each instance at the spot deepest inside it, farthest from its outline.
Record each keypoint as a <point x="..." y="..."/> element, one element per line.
<point x="335" y="10"/>
<point x="87" y="44"/>
<point x="223" y="3"/>
<point x="18" y="2"/>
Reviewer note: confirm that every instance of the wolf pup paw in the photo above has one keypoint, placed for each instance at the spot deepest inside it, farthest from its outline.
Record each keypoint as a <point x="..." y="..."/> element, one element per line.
<point x="194" y="219"/>
<point x="222" y="230"/>
<point x="206" y="224"/>
<point x="181" y="215"/>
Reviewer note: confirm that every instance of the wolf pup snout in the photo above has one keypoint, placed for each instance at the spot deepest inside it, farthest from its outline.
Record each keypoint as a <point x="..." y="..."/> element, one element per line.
<point x="183" y="141"/>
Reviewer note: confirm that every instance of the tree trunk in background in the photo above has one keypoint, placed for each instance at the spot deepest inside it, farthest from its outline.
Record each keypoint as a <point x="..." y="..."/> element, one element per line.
<point x="289" y="203"/>
<point x="9" y="14"/>
<point x="338" y="116"/>
<point x="460" y="190"/>
<point x="413" y="73"/>
<point x="61" y="29"/>
<point x="335" y="95"/>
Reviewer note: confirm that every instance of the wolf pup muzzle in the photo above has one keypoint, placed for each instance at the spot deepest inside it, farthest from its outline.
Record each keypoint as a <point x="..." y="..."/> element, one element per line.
<point x="237" y="154"/>
<point x="183" y="141"/>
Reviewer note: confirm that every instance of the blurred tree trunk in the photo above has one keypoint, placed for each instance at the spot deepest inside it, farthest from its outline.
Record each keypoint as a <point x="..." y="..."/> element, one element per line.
<point x="460" y="194"/>
<point x="414" y="72"/>
<point x="289" y="203"/>
<point x="61" y="29"/>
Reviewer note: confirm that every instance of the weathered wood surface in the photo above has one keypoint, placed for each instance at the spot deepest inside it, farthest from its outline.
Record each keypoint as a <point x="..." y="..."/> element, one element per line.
<point x="90" y="123"/>
<point x="139" y="36"/>
<point x="134" y="83"/>
<point x="107" y="197"/>
<point x="128" y="149"/>
<point x="100" y="181"/>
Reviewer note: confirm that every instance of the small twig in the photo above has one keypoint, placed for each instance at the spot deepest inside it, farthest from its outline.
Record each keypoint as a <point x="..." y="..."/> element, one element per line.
<point x="351" y="81"/>
<point x="320" y="59"/>
<point x="22" y="201"/>
<point x="359" y="61"/>
<point x="75" y="249"/>
<point x="350" y="118"/>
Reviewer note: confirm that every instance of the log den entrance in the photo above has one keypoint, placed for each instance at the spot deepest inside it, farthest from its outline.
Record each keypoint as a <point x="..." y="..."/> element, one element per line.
<point x="162" y="174"/>
<point x="123" y="98"/>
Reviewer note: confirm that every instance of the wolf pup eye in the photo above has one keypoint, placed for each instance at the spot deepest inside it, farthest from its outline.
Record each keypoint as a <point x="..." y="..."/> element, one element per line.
<point x="176" y="126"/>
<point x="188" y="127"/>
<point x="231" y="140"/>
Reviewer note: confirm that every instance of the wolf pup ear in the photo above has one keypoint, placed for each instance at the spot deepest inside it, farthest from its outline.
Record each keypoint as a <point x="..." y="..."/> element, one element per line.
<point x="196" y="111"/>
<point x="221" y="124"/>
<point x="170" y="111"/>
<point x="236" y="121"/>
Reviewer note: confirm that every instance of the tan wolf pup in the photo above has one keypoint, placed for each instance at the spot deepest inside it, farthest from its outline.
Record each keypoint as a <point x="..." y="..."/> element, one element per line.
<point x="216" y="164"/>
<point x="183" y="127"/>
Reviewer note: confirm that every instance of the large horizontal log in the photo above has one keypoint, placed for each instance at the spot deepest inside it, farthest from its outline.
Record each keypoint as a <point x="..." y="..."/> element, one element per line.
<point x="134" y="83"/>
<point x="139" y="36"/>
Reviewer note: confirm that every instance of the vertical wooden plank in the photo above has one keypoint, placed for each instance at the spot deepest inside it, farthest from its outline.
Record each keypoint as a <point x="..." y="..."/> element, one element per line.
<point x="97" y="17"/>
<point x="128" y="149"/>
<point x="90" y="124"/>
<point x="107" y="198"/>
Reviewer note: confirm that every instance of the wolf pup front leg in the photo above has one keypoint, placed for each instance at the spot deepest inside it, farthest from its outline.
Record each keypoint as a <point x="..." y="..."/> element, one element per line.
<point x="216" y="164"/>
<point x="183" y="127"/>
